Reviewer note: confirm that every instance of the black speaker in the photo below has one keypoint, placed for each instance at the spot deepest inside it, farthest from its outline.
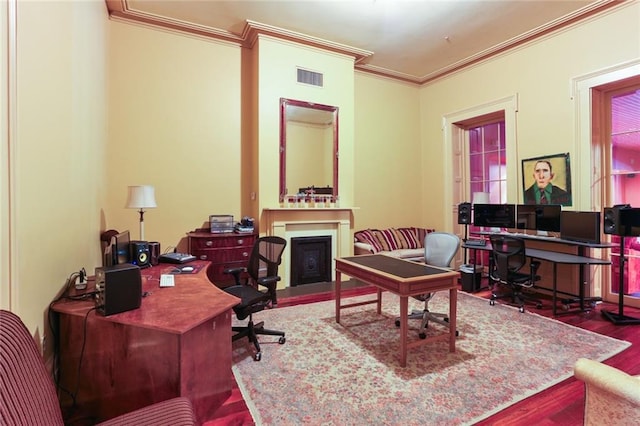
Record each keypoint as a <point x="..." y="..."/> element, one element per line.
<point x="118" y="288"/>
<point x="139" y="253"/>
<point x="154" y="252"/>
<point x="464" y="213"/>
<point x="622" y="220"/>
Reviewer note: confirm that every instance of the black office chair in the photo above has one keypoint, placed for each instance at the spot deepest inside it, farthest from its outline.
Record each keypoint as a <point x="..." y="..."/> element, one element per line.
<point x="508" y="257"/>
<point x="439" y="250"/>
<point x="262" y="270"/>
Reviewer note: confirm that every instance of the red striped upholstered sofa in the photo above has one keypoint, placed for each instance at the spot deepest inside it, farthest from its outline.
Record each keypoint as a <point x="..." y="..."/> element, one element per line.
<point x="28" y="395"/>
<point x="405" y="243"/>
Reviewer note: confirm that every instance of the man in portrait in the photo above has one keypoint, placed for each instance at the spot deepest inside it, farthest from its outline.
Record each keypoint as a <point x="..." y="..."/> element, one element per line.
<point x="543" y="191"/>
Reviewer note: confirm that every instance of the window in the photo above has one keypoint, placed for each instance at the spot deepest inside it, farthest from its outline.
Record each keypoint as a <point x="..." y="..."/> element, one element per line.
<point x="488" y="162"/>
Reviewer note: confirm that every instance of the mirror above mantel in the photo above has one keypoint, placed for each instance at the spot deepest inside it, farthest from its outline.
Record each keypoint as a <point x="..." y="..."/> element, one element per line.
<point x="308" y="148"/>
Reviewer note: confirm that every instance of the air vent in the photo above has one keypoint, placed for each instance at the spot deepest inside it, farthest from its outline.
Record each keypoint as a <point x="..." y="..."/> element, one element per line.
<point x="310" y="77"/>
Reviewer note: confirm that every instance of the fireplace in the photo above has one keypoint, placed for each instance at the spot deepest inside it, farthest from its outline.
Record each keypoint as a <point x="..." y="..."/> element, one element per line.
<point x="310" y="260"/>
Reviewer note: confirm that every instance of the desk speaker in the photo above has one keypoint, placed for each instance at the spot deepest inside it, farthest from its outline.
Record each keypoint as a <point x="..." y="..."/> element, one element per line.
<point x="118" y="288"/>
<point x="622" y="221"/>
<point x="464" y="213"/>
<point x="139" y="253"/>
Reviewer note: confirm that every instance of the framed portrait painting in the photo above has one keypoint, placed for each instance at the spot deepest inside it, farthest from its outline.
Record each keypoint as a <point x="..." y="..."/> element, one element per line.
<point x="547" y="180"/>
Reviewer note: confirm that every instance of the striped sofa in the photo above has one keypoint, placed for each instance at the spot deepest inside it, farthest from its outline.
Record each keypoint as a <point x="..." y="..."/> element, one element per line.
<point x="405" y="243"/>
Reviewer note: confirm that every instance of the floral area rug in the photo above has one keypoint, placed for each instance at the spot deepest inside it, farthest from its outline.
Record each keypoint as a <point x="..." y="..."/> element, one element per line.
<point x="348" y="374"/>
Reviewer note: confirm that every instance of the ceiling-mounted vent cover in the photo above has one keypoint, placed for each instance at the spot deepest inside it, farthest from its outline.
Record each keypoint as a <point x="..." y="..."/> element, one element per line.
<point x="310" y="77"/>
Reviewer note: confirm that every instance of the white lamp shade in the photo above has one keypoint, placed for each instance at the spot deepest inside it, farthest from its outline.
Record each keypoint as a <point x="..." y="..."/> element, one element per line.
<point x="141" y="197"/>
<point x="480" y="198"/>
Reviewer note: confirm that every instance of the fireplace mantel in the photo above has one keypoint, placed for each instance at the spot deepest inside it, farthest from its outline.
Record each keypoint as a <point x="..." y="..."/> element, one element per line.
<point x="306" y="222"/>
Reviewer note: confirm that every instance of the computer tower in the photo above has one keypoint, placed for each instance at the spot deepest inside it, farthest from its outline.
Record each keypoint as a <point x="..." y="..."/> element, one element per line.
<point x="118" y="288"/>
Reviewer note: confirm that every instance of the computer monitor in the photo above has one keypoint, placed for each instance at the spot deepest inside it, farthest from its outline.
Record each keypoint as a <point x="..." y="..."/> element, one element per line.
<point x="580" y="226"/>
<point x="526" y="216"/>
<point x="120" y="248"/>
<point x="494" y="215"/>
<point x="548" y="217"/>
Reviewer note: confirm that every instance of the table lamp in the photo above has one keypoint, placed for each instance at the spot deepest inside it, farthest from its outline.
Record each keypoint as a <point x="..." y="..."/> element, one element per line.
<point x="141" y="197"/>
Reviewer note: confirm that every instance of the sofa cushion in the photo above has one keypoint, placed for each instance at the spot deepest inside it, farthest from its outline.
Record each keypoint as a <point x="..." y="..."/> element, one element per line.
<point x="413" y="254"/>
<point x="411" y="237"/>
<point x="367" y="236"/>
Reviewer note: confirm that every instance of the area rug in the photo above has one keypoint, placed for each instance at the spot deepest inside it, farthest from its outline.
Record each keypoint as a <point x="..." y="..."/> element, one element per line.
<point x="348" y="374"/>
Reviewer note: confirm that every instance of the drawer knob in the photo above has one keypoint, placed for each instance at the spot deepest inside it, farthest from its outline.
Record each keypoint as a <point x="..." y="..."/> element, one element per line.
<point x="245" y="254"/>
<point x="240" y="242"/>
<point x="209" y="243"/>
<point x="203" y="257"/>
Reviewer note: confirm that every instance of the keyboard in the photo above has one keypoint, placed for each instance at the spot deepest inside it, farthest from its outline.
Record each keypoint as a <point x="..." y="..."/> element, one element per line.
<point x="166" y="280"/>
<point x="176" y="258"/>
<point x="476" y="243"/>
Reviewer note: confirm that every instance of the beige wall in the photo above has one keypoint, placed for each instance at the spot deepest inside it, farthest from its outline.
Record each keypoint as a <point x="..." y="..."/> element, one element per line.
<point x="540" y="74"/>
<point x="388" y="183"/>
<point x="174" y="123"/>
<point x="276" y="69"/>
<point x="60" y="137"/>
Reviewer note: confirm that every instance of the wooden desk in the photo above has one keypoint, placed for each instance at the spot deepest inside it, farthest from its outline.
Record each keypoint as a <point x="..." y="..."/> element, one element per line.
<point x="177" y="343"/>
<point x="403" y="278"/>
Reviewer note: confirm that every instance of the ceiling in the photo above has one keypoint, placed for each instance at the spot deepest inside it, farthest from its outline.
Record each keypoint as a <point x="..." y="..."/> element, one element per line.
<point x="409" y="40"/>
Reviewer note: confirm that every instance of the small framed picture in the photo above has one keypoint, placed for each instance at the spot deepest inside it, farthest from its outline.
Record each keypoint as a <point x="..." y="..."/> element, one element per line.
<point x="547" y="180"/>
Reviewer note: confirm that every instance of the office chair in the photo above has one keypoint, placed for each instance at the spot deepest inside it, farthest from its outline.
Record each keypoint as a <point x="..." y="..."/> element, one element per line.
<point x="439" y="250"/>
<point x="508" y="257"/>
<point x="262" y="270"/>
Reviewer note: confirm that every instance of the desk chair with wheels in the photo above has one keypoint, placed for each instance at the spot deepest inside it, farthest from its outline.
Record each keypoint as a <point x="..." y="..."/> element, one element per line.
<point x="439" y="250"/>
<point x="262" y="270"/>
<point x="508" y="257"/>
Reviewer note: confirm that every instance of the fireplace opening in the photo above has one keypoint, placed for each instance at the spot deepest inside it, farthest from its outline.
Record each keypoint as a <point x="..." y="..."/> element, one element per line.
<point x="310" y="260"/>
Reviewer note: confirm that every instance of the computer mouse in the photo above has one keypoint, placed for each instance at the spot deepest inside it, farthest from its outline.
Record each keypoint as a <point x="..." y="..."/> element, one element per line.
<point x="187" y="268"/>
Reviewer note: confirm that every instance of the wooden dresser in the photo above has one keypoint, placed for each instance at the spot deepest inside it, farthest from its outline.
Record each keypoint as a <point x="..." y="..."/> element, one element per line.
<point x="227" y="250"/>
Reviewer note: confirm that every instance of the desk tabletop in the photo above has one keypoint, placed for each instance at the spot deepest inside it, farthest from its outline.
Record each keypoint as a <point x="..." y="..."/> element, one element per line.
<point x="549" y="255"/>
<point x="192" y="301"/>
<point x="394" y="266"/>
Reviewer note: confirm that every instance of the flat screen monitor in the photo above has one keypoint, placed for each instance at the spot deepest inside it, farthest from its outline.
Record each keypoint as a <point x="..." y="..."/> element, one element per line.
<point x="548" y="217"/>
<point x="494" y="215"/>
<point x="120" y="248"/>
<point x="580" y="226"/>
<point x="526" y="216"/>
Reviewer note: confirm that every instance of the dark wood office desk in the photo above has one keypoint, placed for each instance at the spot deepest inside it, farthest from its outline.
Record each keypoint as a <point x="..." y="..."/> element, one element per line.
<point x="403" y="278"/>
<point x="178" y="343"/>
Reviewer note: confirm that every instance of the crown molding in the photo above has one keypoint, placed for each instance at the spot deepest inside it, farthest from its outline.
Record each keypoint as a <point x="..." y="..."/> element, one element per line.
<point x="120" y="10"/>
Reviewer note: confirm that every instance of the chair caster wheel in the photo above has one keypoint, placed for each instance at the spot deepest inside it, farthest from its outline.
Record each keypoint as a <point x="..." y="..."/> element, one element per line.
<point x="281" y="340"/>
<point x="397" y="323"/>
<point x="539" y="306"/>
<point x="492" y="302"/>
<point x="422" y="335"/>
<point x="257" y="356"/>
<point x="457" y="333"/>
<point x="446" y="319"/>
<point x="521" y="309"/>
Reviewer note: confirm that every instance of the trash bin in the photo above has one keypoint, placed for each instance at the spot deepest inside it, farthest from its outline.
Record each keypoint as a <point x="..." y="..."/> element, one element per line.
<point x="471" y="282"/>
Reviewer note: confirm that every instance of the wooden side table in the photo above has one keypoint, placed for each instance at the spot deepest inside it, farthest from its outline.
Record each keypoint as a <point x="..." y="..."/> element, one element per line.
<point x="226" y="250"/>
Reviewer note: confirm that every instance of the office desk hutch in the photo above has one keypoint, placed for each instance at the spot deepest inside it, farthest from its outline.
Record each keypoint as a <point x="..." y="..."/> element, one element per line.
<point x="178" y="343"/>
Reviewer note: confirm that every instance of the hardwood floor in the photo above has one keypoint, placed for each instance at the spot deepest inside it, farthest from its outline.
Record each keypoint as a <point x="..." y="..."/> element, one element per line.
<point x="561" y="404"/>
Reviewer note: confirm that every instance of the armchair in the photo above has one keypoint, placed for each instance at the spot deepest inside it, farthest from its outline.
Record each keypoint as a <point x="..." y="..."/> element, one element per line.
<point x="262" y="270"/>
<point x="612" y="397"/>
<point x="439" y="250"/>
<point x="28" y="394"/>
<point x="508" y="257"/>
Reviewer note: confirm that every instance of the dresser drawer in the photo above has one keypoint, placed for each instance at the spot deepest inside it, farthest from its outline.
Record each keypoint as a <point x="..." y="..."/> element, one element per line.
<point x="222" y="242"/>
<point x="235" y="254"/>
